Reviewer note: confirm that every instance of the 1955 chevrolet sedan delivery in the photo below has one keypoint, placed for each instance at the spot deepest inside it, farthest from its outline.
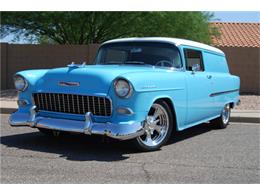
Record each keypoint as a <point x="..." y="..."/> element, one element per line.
<point x="141" y="89"/>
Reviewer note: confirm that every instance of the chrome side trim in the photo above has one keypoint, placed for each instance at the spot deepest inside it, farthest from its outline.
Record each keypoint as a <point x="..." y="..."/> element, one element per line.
<point x="223" y="92"/>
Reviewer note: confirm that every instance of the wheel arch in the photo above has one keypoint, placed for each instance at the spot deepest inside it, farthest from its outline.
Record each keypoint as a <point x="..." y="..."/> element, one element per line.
<point x="231" y="104"/>
<point x="170" y="103"/>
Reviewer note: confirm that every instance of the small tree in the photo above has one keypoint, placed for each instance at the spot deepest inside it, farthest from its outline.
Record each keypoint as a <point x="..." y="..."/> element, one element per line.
<point x="96" y="27"/>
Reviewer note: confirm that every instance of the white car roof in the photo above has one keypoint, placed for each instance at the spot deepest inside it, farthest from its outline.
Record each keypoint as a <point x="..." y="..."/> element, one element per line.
<point x="174" y="41"/>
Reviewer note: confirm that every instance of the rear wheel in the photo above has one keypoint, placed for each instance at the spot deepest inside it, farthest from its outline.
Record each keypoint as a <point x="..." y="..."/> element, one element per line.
<point x="223" y="121"/>
<point x="158" y="127"/>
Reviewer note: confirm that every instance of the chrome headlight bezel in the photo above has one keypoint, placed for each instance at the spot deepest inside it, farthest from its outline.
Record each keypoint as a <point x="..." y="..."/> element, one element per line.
<point x="120" y="92"/>
<point x="20" y="83"/>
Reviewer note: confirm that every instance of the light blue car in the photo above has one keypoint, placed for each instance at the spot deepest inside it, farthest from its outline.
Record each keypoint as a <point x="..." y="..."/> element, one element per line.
<point x="139" y="89"/>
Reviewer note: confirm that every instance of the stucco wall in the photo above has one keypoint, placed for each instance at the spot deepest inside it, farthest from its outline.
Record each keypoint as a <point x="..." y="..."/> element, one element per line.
<point x="244" y="62"/>
<point x="16" y="57"/>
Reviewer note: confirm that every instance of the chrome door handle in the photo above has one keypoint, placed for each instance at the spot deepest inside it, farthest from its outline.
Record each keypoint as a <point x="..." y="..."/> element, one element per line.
<point x="209" y="76"/>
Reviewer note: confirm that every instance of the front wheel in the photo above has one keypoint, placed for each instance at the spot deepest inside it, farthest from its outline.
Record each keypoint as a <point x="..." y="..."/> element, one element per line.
<point x="223" y="121"/>
<point x="158" y="127"/>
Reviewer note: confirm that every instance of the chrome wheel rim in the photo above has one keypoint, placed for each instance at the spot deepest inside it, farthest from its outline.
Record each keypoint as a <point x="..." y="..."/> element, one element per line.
<point x="156" y="126"/>
<point x="226" y="114"/>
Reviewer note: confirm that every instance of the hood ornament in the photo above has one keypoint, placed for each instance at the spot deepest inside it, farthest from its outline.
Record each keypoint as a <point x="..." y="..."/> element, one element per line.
<point x="73" y="65"/>
<point x="69" y="84"/>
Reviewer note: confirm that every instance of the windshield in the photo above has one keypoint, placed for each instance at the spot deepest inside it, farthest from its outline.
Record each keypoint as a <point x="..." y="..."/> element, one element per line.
<point x="140" y="53"/>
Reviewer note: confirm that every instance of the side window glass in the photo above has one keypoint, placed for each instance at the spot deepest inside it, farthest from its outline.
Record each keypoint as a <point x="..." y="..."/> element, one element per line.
<point x="177" y="61"/>
<point x="193" y="59"/>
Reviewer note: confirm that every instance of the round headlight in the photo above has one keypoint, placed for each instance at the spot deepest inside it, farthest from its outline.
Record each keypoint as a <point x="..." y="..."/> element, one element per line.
<point x="20" y="83"/>
<point x="123" y="88"/>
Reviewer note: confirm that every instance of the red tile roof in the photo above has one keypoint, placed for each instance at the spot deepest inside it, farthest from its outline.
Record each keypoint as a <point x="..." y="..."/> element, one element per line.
<point x="237" y="34"/>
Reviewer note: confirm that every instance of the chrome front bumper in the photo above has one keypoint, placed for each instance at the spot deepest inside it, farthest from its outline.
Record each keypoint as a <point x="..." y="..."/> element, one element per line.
<point x="117" y="131"/>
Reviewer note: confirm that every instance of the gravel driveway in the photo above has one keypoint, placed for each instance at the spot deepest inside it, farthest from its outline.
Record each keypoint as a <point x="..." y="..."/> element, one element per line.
<point x="249" y="102"/>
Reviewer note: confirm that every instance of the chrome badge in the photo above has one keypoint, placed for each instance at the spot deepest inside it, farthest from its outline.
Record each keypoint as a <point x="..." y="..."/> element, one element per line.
<point x="68" y="84"/>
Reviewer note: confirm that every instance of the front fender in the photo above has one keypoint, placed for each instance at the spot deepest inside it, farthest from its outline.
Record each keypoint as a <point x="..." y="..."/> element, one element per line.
<point x="150" y="87"/>
<point x="32" y="77"/>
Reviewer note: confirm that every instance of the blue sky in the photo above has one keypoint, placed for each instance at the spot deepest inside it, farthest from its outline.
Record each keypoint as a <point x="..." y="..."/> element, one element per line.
<point x="222" y="16"/>
<point x="237" y="16"/>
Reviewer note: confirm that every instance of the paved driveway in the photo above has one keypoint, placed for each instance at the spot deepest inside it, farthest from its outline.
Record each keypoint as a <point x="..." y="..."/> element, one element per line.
<point x="197" y="155"/>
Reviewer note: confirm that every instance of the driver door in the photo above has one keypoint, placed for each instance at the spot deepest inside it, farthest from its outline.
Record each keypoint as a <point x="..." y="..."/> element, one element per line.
<point x="199" y="87"/>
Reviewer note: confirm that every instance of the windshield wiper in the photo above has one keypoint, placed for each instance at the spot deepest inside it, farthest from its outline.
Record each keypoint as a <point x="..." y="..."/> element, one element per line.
<point x="133" y="62"/>
<point x="128" y="62"/>
<point x="113" y="62"/>
<point x="138" y="63"/>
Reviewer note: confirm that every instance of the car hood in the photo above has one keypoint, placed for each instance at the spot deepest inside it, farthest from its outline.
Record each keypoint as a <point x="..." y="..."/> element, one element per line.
<point x="89" y="79"/>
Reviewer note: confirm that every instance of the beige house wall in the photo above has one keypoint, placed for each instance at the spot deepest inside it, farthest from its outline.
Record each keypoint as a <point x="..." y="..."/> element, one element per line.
<point x="17" y="57"/>
<point x="245" y="63"/>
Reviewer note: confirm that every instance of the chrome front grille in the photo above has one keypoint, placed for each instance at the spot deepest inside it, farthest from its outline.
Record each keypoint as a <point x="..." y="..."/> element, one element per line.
<point x="73" y="104"/>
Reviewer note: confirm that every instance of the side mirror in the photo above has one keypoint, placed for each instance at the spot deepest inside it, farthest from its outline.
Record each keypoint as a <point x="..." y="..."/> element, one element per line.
<point x="195" y="68"/>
